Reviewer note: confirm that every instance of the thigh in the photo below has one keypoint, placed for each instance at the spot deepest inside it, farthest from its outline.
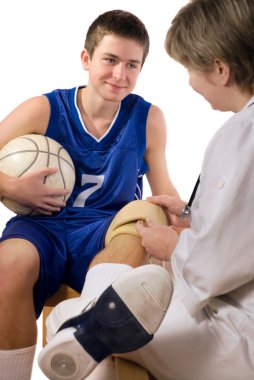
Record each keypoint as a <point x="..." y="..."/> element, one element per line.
<point x="85" y="239"/>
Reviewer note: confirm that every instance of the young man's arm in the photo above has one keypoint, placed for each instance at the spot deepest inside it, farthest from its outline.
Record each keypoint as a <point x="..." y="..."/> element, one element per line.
<point x="158" y="240"/>
<point x="32" y="116"/>
<point x="156" y="137"/>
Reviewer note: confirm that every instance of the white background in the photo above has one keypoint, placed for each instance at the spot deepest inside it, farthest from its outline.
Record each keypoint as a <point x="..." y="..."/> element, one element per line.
<point x="41" y="41"/>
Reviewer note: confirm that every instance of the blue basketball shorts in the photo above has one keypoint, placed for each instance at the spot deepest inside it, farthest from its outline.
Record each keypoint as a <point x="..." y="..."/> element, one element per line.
<point x="66" y="248"/>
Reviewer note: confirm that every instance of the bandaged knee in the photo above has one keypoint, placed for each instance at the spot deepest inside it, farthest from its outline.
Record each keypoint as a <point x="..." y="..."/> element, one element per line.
<point x="125" y="220"/>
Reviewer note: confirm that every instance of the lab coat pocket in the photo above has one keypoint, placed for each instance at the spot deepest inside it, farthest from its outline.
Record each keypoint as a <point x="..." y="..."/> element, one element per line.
<point x="225" y="325"/>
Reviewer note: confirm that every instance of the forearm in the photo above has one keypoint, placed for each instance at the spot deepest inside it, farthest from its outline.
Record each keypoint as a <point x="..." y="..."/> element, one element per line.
<point x="6" y="185"/>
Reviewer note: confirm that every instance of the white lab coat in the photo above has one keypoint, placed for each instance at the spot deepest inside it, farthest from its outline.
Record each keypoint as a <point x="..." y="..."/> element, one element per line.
<point x="208" y="332"/>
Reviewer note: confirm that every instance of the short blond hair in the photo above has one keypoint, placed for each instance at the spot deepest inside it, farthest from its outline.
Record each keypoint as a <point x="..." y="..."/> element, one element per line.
<point x="204" y="30"/>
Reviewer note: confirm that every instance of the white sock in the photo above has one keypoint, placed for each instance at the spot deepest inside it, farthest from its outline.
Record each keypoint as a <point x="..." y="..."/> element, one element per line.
<point x="16" y="364"/>
<point x="101" y="276"/>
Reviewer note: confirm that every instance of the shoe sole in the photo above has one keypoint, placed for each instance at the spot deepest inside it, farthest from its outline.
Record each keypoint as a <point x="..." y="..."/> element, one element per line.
<point x="66" y="358"/>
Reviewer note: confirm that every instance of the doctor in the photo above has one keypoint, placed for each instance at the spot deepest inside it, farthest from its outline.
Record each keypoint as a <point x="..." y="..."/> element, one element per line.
<point x="208" y="332"/>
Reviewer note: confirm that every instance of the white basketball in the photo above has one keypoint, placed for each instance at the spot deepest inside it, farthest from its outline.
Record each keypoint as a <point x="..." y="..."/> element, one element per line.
<point x="28" y="153"/>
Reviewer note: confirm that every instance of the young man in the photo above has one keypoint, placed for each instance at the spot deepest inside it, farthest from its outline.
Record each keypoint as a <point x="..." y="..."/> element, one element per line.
<point x="208" y="332"/>
<point x="114" y="138"/>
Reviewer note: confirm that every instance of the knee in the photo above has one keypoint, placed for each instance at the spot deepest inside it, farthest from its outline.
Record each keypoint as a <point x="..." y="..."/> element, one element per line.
<point x="18" y="267"/>
<point x="125" y="220"/>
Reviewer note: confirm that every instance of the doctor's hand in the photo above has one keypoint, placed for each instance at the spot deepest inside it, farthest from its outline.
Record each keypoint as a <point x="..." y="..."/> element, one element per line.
<point x="158" y="240"/>
<point x="173" y="207"/>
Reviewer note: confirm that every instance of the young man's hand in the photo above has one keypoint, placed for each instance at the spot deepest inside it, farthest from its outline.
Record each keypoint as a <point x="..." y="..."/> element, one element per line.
<point x="29" y="191"/>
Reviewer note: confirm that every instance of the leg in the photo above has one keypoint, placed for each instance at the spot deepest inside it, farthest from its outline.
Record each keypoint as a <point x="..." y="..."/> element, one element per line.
<point x="124" y="317"/>
<point x="19" y="271"/>
<point x="123" y="249"/>
<point x="123" y="252"/>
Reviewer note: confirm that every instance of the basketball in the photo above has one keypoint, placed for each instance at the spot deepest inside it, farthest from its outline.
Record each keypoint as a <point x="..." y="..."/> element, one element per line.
<point x="29" y="153"/>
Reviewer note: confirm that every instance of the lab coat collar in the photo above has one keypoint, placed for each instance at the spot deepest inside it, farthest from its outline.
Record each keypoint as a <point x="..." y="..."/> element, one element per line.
<point x="250" y="102"/>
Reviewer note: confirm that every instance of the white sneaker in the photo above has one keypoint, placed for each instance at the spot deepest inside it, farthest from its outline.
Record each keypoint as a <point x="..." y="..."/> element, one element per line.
<point x="64" y="311"/>
<point x="123" y="319"/>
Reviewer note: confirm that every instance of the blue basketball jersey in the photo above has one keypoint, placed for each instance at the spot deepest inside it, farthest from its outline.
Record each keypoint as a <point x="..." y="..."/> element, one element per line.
<point x="109" y="170"/>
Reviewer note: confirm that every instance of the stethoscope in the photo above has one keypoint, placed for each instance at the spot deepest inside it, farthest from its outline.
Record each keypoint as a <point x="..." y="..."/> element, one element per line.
<point x="187" y="208"/>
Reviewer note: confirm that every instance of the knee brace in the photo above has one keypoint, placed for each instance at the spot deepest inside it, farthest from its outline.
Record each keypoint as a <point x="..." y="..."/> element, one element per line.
<point x="125" y="220"/>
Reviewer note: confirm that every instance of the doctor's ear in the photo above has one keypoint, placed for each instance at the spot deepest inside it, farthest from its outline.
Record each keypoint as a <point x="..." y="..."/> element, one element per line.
<point x="223" y="71"/>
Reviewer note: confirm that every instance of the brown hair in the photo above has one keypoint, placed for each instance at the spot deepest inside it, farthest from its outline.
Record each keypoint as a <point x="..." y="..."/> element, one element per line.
<point x="120" y="23"/>
<point x="204" y="30"/>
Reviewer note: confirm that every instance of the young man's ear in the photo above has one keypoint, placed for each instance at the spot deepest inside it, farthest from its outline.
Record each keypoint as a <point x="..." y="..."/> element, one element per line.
<point x="85" y="59"/>
<point x="222" y="71"/>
